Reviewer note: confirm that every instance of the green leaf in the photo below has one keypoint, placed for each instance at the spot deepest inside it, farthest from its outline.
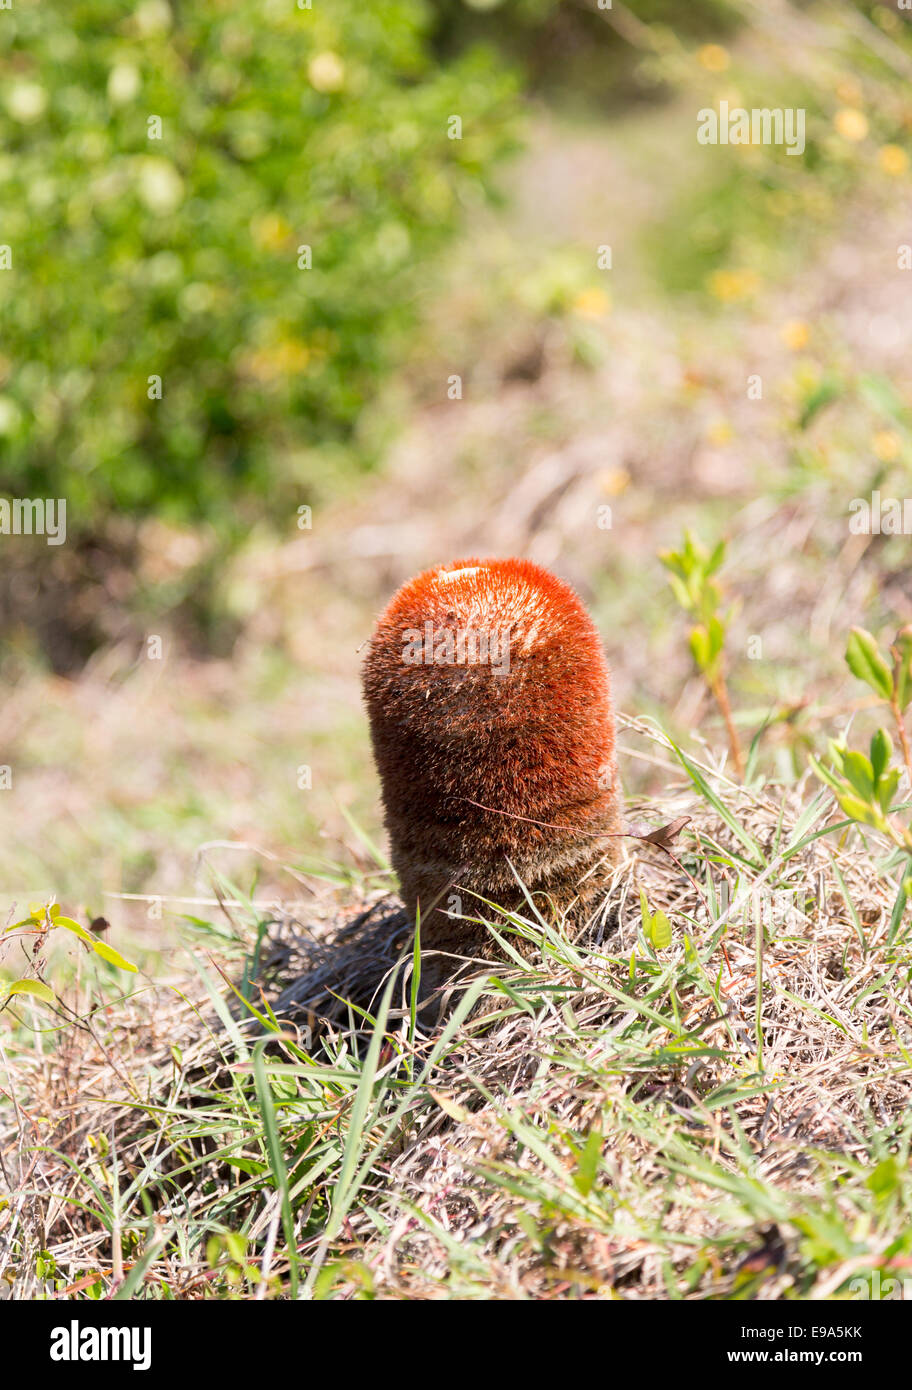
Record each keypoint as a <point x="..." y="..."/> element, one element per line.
<point x="881" y="395"/>
<point x="717" y="557"/>
<point x="885" y="1178"/>
<point x="25" y="922"/>
<point x="76" y="929"/>
<point x="902" y="651"/>
<point x="881" y="752"/>
<point x="865" y="661"/>
<point x="899" y="908"/>
<point x="673" y="563"/>
<point x="35" y="988"/>
<point x="859" y="772"/>
<point x="108" y="953"/>
<point x="700" y="647"/>
<point x="681" y="592"/>
<point x="237" y="1245"/>
<point x="275" y="1152"/>
<point x="828" y="389"/>
<point x="719" y="806"/>
<point x="660" y="931"/>
<point x="886" y="789"/>
<point x="588" y="1165"/>
<point x="695" y="550"/>
<point x="246" y="1165"/>
<point x="861" y="811"/>
<point x="825" y="774"/>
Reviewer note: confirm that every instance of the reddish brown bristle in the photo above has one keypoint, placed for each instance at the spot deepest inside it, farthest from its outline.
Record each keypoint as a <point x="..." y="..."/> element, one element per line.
<point x="489" y="703"/>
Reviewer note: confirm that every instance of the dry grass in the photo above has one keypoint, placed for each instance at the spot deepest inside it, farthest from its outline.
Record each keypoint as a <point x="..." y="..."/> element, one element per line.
<point x="727" y="1117"/>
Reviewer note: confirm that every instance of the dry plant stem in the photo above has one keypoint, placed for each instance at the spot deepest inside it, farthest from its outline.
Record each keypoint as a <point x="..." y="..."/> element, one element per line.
<point x="758" y="1005"/>
<point x="720" y="691"/>
<point x="903" y="737"/>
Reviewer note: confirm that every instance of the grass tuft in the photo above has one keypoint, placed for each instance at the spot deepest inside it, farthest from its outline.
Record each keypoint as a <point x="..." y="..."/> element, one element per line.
<point x="596" y="1115"/>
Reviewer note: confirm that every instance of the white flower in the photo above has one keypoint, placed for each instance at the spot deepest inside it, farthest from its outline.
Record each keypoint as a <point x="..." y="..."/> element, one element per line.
<point x="160" y="185"/>
<point x="124" y="83"/>
<point x="26" y="101"/>
<point x="10" y="415"/>
<point x="153" y="17"/>
<point x="326" y="72"/>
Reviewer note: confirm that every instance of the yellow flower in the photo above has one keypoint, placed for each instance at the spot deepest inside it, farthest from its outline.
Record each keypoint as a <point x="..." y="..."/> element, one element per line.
<point x="732" y="285"/>
<point x="795" y="334"/>
<point x="592" y="303"/>
<point x="292" y="356"/>
<point x="887" y="445"/>
<point x="287" y="357"/>
<point x="720" y="432"/>
<point x="270" y="231"/>
<point x="326" y="72"/>
<point x="893" y="160"/>
<point x="713" y="57"/>
<point x="850" y="123"/>
<point x="613" y="481"/>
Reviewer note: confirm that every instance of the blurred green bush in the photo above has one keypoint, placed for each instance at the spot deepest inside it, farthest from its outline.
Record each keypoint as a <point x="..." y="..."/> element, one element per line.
<point x="580" y="56"/>
<point x="160" y="168"/>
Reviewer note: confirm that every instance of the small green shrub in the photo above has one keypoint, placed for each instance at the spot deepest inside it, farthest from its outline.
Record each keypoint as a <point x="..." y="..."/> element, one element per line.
<point x="161" y="171"/>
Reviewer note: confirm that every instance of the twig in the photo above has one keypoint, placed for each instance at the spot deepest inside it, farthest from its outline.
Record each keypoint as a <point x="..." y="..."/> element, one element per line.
<point x="720" y="691"/>
<point x="903" y="736"/>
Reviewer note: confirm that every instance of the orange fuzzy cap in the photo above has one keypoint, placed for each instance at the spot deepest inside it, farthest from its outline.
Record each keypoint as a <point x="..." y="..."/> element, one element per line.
<point x="488" y="693"/>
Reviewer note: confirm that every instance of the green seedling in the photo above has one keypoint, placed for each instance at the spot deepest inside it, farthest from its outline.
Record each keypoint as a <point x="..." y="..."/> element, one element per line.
<point x="656" y="926"/>
<point x="690" y="572"/>
<point x="865" y="786"/>
<point x="41" y="921"/>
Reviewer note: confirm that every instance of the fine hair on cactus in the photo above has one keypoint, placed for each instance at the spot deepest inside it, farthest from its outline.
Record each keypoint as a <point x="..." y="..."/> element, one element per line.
<point x="489" y="701"/>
